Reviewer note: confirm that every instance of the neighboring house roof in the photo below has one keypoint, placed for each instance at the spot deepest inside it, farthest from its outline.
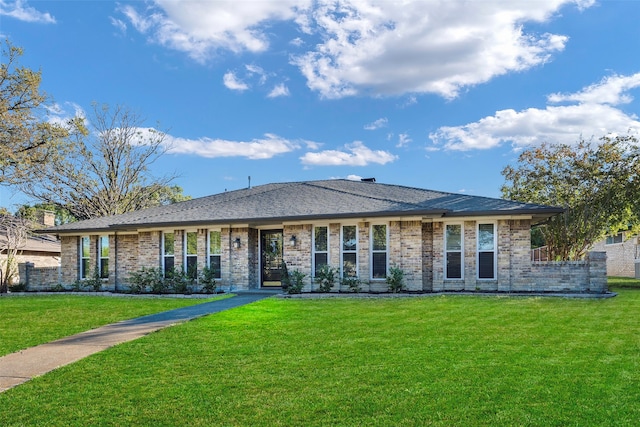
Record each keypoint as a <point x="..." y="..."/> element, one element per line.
<point x="309" y="200"/>
<point x="37" y="243"/>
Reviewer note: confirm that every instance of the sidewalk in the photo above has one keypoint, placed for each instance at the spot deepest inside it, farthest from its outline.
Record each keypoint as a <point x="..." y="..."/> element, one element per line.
<point x="21" y="366"/>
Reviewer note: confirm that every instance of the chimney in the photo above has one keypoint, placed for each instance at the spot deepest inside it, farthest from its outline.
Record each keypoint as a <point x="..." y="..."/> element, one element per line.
<point x="47" y="218"/>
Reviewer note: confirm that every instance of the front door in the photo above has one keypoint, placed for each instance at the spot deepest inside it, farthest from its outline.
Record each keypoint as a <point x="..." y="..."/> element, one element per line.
<point x="271" y="257"/>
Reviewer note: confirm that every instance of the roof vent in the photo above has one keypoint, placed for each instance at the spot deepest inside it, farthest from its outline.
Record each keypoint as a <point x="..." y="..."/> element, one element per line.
<point x="368" y="179"/>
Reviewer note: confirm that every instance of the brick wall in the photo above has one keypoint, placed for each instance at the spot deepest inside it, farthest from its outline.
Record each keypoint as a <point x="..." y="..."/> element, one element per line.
<point x="620" y="257"/>
<point x="589" y="275"/>
<point x="39" y="278"/>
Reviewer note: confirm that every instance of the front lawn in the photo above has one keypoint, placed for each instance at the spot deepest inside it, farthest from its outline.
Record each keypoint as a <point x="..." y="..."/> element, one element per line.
<point x="26" y="321"/>
<point x="449" y="360"/>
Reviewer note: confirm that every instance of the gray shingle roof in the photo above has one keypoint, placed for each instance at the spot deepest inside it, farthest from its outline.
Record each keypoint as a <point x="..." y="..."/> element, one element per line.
<point x="294" y="201"/>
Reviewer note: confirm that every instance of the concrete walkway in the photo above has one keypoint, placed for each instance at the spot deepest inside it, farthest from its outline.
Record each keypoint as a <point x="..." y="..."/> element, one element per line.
<point x="21" y="366"/>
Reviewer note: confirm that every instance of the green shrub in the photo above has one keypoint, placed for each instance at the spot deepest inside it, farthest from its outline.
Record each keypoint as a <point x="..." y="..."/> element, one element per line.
<point x="78" y="286"/>
<point x="146" y="279"/>
<point x="326" y="278"/>
<point x="351" y="282"/>
<point x="58" y="287"/>
<point x="395" y="279"/>
<point x="95" y="282"/>
<point x="296" y="282"/>
<point x="18" y="287"/>
<point x="208" y="280"/>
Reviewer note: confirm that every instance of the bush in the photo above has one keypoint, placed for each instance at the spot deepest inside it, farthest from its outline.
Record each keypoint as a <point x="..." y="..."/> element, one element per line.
<point x="208" y="280"/>
<point x="95" y="282"/>
<point x="146" y="279"/>
<point x="177" y="281"/>
<point x="18" y="287"/>
<point x="326" y="278"/>
<point x="285" y="281"/>
<point x="58" y="287"/>
<point x="395" y="279"/>
<point x="351" y="282"/>
<point x="296" y="282"/>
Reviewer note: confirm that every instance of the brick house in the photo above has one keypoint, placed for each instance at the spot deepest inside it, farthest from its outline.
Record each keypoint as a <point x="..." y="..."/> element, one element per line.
<point x="623" y="254"/>
<point x="442" y="241"/>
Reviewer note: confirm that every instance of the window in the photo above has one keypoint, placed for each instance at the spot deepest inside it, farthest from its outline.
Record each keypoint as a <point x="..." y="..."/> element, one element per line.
<point x="453" y="251"/>
<point x="85" y="256"/>
<point x="167" y="253"/>
<point x="486" y="251"/>
<point x="612" y="240"/>
<point x="215" y="252"/>
<point x="349" y="251"/>
<point x="379" y="251"/>
<point x="104" y="257"/>
<point x="191" y="254"/>
<point x="320" y="248"/>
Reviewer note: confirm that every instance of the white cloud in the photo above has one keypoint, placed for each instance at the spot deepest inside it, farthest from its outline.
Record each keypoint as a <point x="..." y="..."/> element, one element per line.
<point x="403" y="140"/>
<point x="19" y="9"/>
<point x="386" y="48"/>
<point x="354" y="177"/>
<point x="120" y="25"/>
<point x="369" y="47"/>
<point x="355" y="154"/>
<point x="279" y="90"/>
<point x="232" y="82"/>
<point x="264" y="148"/>
<point x="205" y="26"/>
<point x="593" y="114"/>
<point x="377" y="124"/>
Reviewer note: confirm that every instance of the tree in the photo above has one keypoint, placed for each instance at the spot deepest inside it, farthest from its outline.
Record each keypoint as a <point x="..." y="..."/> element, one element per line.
<point x="105" y="172"/>
<point x="597" y="184"/>
<point x="26" y="137"/>
<point x="32" y="213"/>
<point x="14" y="232"/>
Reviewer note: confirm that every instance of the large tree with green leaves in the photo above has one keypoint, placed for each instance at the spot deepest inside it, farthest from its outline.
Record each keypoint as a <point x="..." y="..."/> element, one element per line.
<point x="106" y="171"/>
<point x="26" y="136"/>
<point x="598" y="185"/>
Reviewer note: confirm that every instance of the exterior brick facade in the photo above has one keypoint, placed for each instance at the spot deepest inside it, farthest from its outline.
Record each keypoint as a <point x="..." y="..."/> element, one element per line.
<point x="416" y="247"/>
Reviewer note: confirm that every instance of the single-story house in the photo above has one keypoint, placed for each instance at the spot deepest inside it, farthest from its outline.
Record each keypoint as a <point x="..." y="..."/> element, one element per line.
<point x="623" y="254"/>
<point x="441" y="241"/>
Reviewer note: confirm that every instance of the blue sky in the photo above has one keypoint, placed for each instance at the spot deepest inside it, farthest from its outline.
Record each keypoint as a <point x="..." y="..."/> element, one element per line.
<point x="432" y="94"/>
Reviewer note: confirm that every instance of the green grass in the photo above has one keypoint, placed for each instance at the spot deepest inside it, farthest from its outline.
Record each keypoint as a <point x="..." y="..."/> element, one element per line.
<point x="446" y="361"/>
<point x="26" y="321"/>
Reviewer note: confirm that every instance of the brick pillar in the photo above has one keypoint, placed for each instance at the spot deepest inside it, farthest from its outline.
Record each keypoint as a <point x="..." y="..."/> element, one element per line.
<point x="597" y="265"/>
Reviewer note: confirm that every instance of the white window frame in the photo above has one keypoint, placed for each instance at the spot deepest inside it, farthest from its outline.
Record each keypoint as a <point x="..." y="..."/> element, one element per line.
<point x="611" y="239"/>
<point x="210" y="254"/>
<point x="185" y="251"/>
<point x="82" y="273"/>
<point x="103" y="274"/>
<point x="461" y="251"/>
<point x="313" y="247"/>
<point x="374" y="251"/>
<point x="164" y="255"/>
<point x="343" y="252"/>
<point x="495" y="249"/>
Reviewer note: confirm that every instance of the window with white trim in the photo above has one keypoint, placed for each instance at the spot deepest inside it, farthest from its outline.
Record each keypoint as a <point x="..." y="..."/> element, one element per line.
<point x="215" y="253"/>
<point x="379" y="257"/>
<point x="320" y="248"/>
<point x="486" y="251"/>
<point x="453" y="251"/>
<point x="614" y="239"/>
<point x="85" y="256"/>
<point x="190" y="248"/>
<point x="349" y="249"/>
<point x="168" y="240"/>
<point x="103" y="255"/>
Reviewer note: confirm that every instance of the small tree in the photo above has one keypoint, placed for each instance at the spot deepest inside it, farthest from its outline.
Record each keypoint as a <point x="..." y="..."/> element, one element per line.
<point x="14" y="232"/>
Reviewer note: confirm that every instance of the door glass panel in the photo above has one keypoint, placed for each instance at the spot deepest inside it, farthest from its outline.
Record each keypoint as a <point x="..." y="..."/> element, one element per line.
<point x="271" y="244"/>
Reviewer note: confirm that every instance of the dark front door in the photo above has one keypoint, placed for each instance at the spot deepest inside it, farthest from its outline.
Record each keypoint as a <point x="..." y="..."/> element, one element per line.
<point x="271" y="257"/>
